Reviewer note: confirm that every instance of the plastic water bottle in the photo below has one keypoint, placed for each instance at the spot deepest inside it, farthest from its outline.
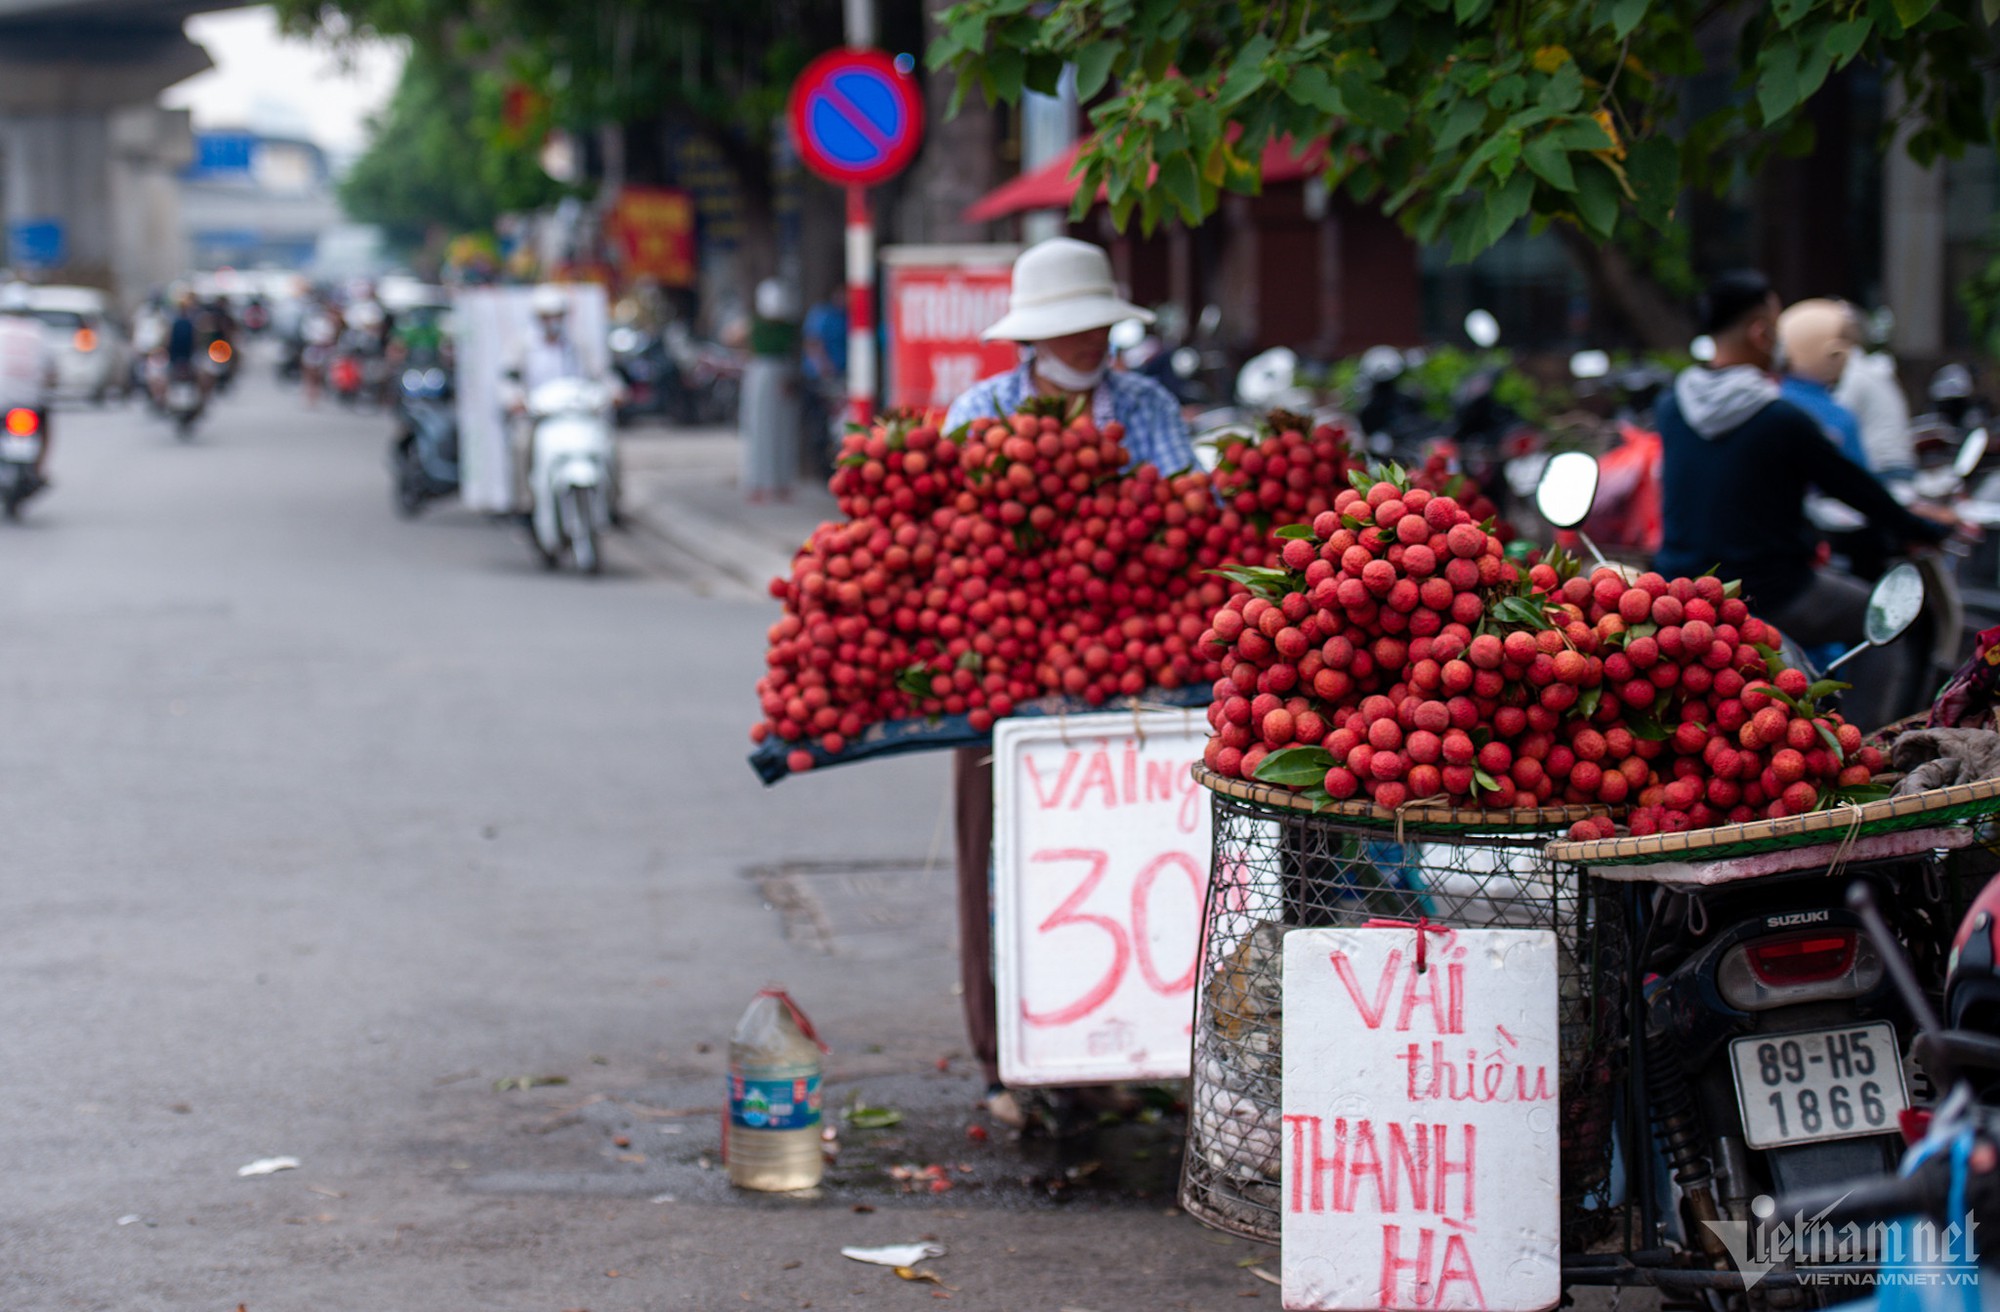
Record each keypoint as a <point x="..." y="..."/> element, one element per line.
<point x="771" y="1133"/>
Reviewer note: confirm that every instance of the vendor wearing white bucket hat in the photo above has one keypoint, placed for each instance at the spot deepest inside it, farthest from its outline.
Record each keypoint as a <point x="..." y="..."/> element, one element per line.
<point x="1062" y="308"/>
<point x="1063" y="305"/>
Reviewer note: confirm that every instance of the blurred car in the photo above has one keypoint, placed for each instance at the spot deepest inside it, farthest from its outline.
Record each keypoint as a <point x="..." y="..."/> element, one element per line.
<point x="85" y="342"/>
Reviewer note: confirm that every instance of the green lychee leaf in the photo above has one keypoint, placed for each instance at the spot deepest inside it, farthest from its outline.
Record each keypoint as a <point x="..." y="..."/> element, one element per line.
<point x="1861" y="794"/>
<point x="1832" y="741"/>
<point x="1294" y="531"/>
<point x="1779" y="694"/>
<point x="1296" y="767"/>
<point x="1643" y="629"/>
<point x="1352" y="523"/>
<point x="1588" y="703"/>
<point x="1359" y="480"/>
<point x="914" y="681"/>
<point x="971" y="660"/>
<point x="1523" y="611"/>
<point x="1733" y="588"/>
<point x="1483" y="780"/>
<point x="1647" y="727"/>
<point x="1826" y="688"/>
<point x="1260" y="579"/>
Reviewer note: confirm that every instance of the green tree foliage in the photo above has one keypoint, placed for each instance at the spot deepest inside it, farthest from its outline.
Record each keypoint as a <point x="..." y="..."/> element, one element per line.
<point x="439" y="155"/>
<point x="1461" y="117"/>
<point x="723" y="69"/>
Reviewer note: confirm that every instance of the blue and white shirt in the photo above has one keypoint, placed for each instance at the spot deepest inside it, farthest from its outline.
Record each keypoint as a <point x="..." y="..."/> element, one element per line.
<point x="1155" y="433"/>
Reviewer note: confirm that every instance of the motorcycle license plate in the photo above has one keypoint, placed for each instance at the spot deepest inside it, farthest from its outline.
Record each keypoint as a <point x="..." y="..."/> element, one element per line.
<point x="21" y="450"/>
<point x="1818" y="1084"/>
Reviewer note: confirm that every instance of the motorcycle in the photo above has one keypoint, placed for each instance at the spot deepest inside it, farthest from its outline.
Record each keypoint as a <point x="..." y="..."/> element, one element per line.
<point x="423" y="455"/>
<point x="572" y="471"/>
<point x="1773" y="1041"/>
<point x="22" y="441"/>
<point x="218" y="363"/>
<point x="184" y="400"/>
<point x="710" y="378"/>
<point x="1949" y="1177"/>
<point x="652" y="384"/>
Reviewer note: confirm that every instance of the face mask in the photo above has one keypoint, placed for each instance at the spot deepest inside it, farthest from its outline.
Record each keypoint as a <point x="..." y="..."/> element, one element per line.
<point x="1057" y="374"/>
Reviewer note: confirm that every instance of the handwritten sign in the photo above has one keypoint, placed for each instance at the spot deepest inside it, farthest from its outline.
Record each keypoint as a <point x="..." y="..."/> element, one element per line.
<point x="1420" y="1120"/>
<point x="1101" y="850"/>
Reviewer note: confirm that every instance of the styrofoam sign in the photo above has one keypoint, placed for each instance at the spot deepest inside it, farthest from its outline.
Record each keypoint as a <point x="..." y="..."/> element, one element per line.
<point x="1101" y="850"/>
<point x="1420" y="1120"/>
<point x="494" y="327"/>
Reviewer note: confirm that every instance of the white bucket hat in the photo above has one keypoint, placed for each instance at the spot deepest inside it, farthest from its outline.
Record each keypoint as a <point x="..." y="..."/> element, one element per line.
<point x="1061" y="286"/>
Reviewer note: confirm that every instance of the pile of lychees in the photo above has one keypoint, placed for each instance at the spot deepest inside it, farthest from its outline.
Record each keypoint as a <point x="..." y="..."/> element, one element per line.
<point x="1016" y="559"/>
<point x="1396" y="654"/>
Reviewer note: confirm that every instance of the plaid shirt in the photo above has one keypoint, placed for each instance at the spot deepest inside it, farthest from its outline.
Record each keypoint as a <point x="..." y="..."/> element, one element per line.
<point x="1155" y="433"/>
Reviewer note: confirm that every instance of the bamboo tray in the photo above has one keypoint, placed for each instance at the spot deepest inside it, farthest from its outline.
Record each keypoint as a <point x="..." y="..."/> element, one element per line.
<point x="1425" y="814"/>
<point x="1934" y="807"/>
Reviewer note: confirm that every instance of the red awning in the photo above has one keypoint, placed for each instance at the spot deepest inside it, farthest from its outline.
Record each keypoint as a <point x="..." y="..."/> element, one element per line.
<point x="1051" y="187"/>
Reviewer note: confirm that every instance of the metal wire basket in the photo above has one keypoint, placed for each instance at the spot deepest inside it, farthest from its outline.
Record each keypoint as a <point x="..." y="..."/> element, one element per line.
<point x="1276" y="868"/>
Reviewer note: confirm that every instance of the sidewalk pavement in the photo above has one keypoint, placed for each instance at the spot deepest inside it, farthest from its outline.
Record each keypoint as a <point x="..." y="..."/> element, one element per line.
<point x="682" y="485"/>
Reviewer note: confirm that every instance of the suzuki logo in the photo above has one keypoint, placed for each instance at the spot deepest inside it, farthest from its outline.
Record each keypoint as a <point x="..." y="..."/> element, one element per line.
<point x="1797" y="918"/>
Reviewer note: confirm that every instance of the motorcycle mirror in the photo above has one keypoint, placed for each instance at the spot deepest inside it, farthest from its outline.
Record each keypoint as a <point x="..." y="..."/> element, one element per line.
<point x="1567" y="489"/>
<point x="1266" y="377"/>
<point x="1483" y="329"/>
<point x="1970" y="452"/>
<point x="1893" y="606"/>
<point x="1126" y="334"/>
<point x="1702" y="348"/>
<point x="1186" y="362"/>
<point x="1589" y="364"/>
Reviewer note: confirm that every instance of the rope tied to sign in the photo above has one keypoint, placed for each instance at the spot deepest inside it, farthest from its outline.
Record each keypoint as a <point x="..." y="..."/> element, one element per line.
<point x="1423" y="925"/>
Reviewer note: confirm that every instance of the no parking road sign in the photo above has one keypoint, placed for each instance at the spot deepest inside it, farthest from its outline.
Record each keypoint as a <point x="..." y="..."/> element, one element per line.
<point x="856" y="118"/>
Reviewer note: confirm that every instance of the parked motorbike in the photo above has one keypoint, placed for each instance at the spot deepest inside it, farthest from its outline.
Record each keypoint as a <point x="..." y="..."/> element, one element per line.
<point x="1772" y="1056"/>
<point x="423" y="455"/>
<point x="710" y="377"/>
<point x="652" y="384"/>
<point x="22" y="440"/>
<point x="1950" y="1176"/>
<point x="572" y="471"/>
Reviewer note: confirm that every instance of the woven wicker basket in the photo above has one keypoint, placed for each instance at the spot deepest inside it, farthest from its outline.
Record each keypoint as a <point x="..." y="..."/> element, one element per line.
<point x="1936" y="806"/>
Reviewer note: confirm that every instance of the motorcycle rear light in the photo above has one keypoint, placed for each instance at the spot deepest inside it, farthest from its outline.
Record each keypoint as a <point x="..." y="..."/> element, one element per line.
<point x="1818" y="965"/>
<point x="219" y="352"/>
<point x="1803" y="958"/>
<point x="85" y="340"/>
<point x="22" y="422"/>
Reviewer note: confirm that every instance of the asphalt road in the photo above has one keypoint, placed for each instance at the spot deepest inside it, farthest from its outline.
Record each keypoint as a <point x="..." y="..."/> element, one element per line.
<point x="316" y="826"/>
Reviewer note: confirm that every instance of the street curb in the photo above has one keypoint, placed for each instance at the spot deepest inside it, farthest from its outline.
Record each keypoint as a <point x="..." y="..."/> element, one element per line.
<point x="747" y="558"/>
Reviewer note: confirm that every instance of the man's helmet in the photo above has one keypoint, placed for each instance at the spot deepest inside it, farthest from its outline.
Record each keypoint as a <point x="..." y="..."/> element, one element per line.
<point x="1972" y="984"/>
<point x="549" y="301"/>
<point x="15" y="298"/>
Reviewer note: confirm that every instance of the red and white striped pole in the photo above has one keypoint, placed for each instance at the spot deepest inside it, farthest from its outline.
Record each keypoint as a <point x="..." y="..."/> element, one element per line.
<point x="860" y="307"/>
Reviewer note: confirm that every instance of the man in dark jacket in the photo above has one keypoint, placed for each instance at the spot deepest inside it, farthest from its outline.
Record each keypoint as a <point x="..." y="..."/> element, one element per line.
<point x="1737" y="462"/>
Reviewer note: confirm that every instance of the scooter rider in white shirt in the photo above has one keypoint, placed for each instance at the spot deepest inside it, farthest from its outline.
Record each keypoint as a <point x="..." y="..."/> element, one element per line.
<point x="551" y="354"/>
